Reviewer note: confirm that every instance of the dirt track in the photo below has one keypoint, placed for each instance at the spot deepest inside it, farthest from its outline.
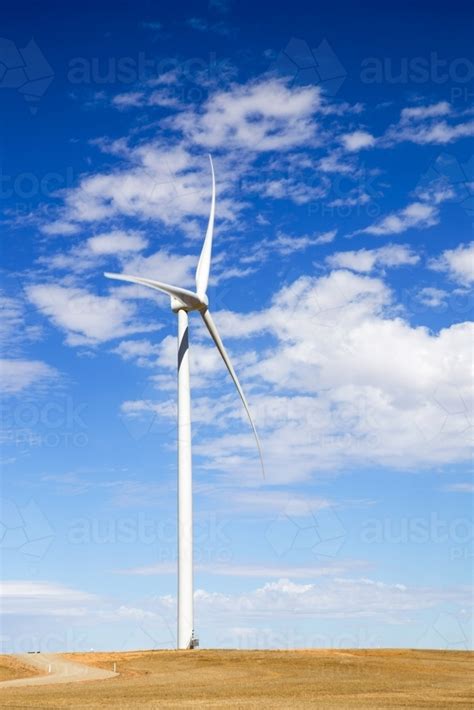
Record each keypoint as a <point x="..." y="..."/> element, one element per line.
<point x="56" y="670"/>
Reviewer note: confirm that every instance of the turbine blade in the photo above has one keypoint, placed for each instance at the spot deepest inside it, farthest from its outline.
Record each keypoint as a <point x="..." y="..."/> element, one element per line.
<point x="211" y="326"/>
<point x="204" y="265"/>
<point x="187" y="297"/>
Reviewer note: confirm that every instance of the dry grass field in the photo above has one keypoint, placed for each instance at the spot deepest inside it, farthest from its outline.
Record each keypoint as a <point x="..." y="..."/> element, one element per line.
<point x="262" y="679"/>
<point x="11" y="668"/>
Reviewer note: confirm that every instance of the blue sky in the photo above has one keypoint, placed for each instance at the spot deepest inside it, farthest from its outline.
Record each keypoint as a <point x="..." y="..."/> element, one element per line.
<point x="341" y="284"/>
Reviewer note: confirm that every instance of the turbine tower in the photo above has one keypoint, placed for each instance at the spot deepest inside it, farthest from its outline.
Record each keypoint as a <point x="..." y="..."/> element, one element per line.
<point x="182" y="303"/>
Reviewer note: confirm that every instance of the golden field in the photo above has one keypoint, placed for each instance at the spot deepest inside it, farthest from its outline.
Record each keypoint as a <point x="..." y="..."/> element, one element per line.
<point x="11" y="667"/>
<point x="342" y="679"/>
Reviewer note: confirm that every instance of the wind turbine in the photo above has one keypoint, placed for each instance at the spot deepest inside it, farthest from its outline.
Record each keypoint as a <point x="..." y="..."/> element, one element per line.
<point x="182" y="303"/>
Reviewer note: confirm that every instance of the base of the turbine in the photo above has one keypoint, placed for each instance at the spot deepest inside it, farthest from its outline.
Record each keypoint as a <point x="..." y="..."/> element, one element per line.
<point x="194" y="643"/>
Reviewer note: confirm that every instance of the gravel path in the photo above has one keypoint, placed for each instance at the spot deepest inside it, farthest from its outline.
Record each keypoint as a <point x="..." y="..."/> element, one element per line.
<point x="57" y="670"/>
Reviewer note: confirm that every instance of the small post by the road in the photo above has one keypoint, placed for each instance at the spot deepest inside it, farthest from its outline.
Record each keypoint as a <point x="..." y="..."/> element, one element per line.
<point x="115" y="667"/>
<point x="49" y="668"/>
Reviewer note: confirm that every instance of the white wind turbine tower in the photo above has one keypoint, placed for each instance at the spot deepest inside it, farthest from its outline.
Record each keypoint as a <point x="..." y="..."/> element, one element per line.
<point x="182" y="303"/>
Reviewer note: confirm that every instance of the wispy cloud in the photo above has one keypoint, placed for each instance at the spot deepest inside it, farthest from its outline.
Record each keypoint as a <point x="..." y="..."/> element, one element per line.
<point x="358" y="140"/>
<point x="416" y="215"/>
<point x="365" y="260"/>
<point x="285" y="245"/>
<point x="429" y="125"/>
<point x="85" y="318"/>
<point x="262" y="571"/>
<point x="458" y="263"/>
<point x="19" y="375"/>
<point x="459" y="488"/>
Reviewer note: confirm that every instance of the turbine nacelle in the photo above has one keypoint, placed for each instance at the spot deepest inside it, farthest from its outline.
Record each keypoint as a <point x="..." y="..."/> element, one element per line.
<point x="177" y="304"/>
<point x="181" y="298"/>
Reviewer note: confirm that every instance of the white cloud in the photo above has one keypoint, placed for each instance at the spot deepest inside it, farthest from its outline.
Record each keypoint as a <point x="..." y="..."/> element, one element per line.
<point x="419" y="113"/>
<point x="262" y="571"/>
<point x="18" y="372"/>
<point x="432" y="297"/>
<point x="18" y="375"/>
<point x="332" y="163"/>
<point x="458" y="263"/>
<point x="263" y="115"/>
<point x="346" y="381"/>
<point x="314" y="597"/>
<point x="169" y="183"/>
<point x="336" y="598"/>
<point x="459" y="488"/>
<point x="88" y="254"/>
<point x="15" y="329"/>
<point x="357" y="140"/>
<point x="32" y="597"/>
<point x="205" y="360"/>
<point x="422" y="125"/>
<point x="60" y="228"/>
<point x="417" y="215"/>
<point x="285" y="245"/>
<point x="354" y="198"/>
<point x="326" y="237"/>
<point x="143" y="352"/>
<point x="421" y="213"/>
<point x="87" y="319"/>
<point x="128" y="99"/>
<point x="292" y="188"/>
<point x="134" y="99"/>
<point x="116" y="241"/>
<point x="438" y="133"/>
<point x="162" y="265"/>
<point x="365" y="260"/>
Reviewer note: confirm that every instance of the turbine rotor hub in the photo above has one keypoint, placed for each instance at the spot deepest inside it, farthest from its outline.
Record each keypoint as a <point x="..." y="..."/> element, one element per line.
<point x="199" y="303"/>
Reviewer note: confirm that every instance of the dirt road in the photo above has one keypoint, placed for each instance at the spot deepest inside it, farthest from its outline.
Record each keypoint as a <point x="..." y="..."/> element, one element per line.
<point x="56" y="670"/>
